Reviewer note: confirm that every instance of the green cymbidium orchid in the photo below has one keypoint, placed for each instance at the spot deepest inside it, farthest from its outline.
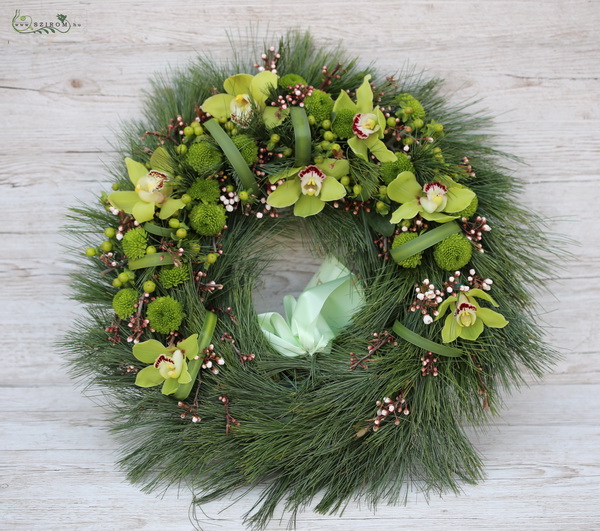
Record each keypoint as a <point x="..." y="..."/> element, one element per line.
<point x="243" y="93"/>
<point x="430" y="200"/>
<point x="151" y="189"/>
<point x="310" y="187"/>
<point x="169" y="364"/>
<point x="368" y="124"/>
<point x="467" y="318"/>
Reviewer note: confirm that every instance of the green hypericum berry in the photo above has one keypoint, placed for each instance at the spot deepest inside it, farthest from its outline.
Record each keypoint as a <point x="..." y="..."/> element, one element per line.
<point x="336" y="147"/>
<point x="124" y="302"/>
<point x="412" y="261"/>
<point x="357" y="189"/>
<point x="123" y="277"/>
<point x="90" y="251"/>
<point x="345" y="180"/>
<point x="469" y="211"/>
<point x="453" y="253"/>
<point x="186" y="199"/>
<point x="247" y="147"/>
<point x="418" y="123"/>
<point x="134" y="243"/>
<point x="380" y="205"/>
<point x="212" y="258"/>
<point x="115" y="186"/>
<point x="312" y="120"/>
<point x="325" y="145"/>
<point x="229" y="188"/>
<point x="116" y="283"/>
<point x="181" y="149"/>
<point x="149" y="286"/>
<point x="342" y="124"/>
<point x="329" y="136"/>
<point x="198" y="129"/>
<point x="208" y="220"/>
<point x="165" y="314"/>
<point x="203" y="157"/>
<point x="181" y="233"/>
<point x="106" y="246"/>
<point x="407" y="102"/>
<point x="109" y="232"/>
<point x="391" y="121"/>
<point x="390" y="170"/>
<point x="188" y="131"/>
<point x="130" y="274"/>
<point x="320" y="105"/>
<point x="171" y="276"/>
<point x="275" y="138"/>
<point x="150" y="249"/>
<point x="326" y="124"/>
<point x="287" y="152"/>
<point x="174" y="223"/>
<point x="408" y="140"/>
<point x="243" y="195"/>
<point x="206" y="190"/>
<point x="291" y="80"/>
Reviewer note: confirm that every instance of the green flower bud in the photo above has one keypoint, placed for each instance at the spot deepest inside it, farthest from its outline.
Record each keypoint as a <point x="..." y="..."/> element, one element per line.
<point x="124" y="302"/>
<point x="453" y="253"/>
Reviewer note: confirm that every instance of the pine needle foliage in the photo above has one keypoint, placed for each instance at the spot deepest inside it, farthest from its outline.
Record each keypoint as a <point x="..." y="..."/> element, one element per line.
<point x="305" y="425"/>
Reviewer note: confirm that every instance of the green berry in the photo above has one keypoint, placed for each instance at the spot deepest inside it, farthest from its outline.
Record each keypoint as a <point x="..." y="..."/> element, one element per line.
<point x="149" y="286"/>
<point x="130" y="274"/>
<point x="325" y="145"/>
<point x="188" y="131"/>
<point x="212" y="258"/>
<point x="150" y="249"/>
<point x="357" y="189"/>
<point x="391" y="121"/>
<point x="174" y="223"/>
<point x="336" y="147"/>
<point x="123" y="277"/>
<point x="243" y="195"/>
<point x="106" y="246"/>
<point x="115" y="186"/>
<point x="181" y="149"/>
<point x="412" y="261"/>
<point x="90" y="251"/>
<point x="287" y="152"/>
<point x="418" y="123"/>
<point x="186" y="199"/>
<point x="117" y="283"/>
<point x="109" y="232"/>
<point x="319" y="159"/>
<point x="345" y="180"/>
<point x="380" y="205"/>
<point x="181" y="233"/>
<point x="328" y="135"/>
<point x="229" y="188"/>
<point x="408" y="140"/>
<point x="326" y="124"/>
<point x="198" y="129"/>
<point x="312" y="120"/>
<point x="275" y="138"/>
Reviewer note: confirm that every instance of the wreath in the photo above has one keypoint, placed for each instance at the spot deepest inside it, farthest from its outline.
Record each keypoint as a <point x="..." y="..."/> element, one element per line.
<point x="420" y="314"/>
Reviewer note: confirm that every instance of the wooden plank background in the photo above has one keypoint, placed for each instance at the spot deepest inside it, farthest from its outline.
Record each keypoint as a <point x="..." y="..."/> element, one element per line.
<point x="536" y="63"/>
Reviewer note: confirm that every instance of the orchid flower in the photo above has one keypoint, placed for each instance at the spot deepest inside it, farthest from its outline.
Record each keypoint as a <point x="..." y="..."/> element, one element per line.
<point x="152" y="189"/>
<point x="467" y="318"/>
<point x="169" y="364"/>
<point x="368" y="124"/>
<point x="243" y="93"/>
<point x="310" y="187"/>
<point x="430" y="200"/>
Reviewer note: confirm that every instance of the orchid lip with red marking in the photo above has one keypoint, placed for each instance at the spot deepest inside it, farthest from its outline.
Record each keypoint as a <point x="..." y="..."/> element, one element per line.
<point x="433" y="187"/>
<point x="364" y="125"/>
<point x="162" y="358"/>
<point x="311" y="180"/>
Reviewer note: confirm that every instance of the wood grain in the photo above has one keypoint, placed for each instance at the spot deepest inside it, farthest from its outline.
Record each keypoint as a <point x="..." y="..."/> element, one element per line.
<point x="63" y="96"/>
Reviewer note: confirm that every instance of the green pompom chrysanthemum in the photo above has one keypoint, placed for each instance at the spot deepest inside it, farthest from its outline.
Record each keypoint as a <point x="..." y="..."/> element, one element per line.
<point x="203" y="157"/>
<point x="206" y="190"/>
<point x="291" y="80"/>
<point x="247" y="147"/>
<point x="124" y="302"/>
<point x="208" y="220"/>
<point x="169" y="277"/>
<point x="320" y="105"/>
<point x="165" y="314"/>
<point x="342" y="124"/>
<point x="409" y="105"/>
<point x="390" y="170"/>
<point x="412" y="261"/>
<point x="469" y="211"/>
<point x="134" y="243"/>
<point x="453" y="253"/>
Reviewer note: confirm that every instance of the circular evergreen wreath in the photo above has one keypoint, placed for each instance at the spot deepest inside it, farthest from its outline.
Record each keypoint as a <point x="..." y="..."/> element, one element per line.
<point x="420" y="313"/>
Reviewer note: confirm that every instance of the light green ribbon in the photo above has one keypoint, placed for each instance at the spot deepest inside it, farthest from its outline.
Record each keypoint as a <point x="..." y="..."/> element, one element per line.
<point x="322" y="310"/>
